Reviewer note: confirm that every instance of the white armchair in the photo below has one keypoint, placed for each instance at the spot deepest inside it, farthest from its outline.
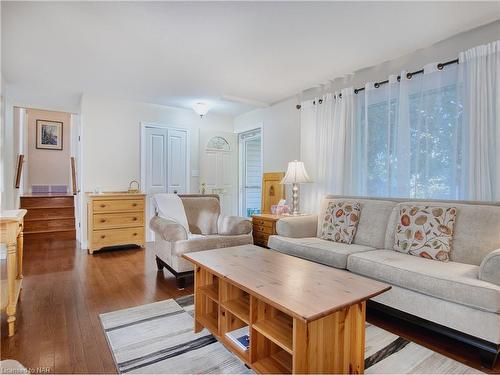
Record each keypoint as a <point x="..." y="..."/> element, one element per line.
<point x="207" y="229"/>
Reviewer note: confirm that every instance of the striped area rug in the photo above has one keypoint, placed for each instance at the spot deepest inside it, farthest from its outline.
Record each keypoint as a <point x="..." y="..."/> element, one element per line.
<point x="158" y="338"/>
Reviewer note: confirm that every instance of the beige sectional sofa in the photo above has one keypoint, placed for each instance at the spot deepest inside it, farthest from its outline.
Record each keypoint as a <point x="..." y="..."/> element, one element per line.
<point x="460" y="298"/>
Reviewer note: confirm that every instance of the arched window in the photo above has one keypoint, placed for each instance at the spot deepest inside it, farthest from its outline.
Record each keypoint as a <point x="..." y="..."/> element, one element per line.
<point x="218" y="143"/>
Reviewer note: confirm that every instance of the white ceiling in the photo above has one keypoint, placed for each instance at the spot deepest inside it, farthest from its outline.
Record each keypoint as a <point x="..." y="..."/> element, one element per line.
<point x="177" y="53"/>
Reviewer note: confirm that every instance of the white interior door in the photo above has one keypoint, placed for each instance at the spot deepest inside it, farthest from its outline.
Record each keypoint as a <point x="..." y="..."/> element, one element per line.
<point x="165" y="165"/>
<point x="219" y="168"/>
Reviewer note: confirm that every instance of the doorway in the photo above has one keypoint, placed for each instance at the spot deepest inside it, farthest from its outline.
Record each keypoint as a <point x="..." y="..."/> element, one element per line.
<point x="219" y="168"/>
<point x="48" y="162"/>
<point x="164" y="163"/>
<point x="250" y="171"/>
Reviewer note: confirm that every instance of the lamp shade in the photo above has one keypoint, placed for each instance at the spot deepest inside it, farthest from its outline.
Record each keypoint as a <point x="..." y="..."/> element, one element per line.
<point x="296" y="173"/>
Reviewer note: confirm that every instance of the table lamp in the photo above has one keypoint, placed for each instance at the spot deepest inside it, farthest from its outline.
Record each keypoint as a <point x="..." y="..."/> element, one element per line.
<point x="296" y="174"/>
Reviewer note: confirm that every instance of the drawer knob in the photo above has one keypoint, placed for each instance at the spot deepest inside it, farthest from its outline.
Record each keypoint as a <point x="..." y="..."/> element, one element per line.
<point x="103" y="220"/>
<point x="135" y="234"/>
<point x="134" y="204"/>
<point x="134" y="219"/>
<point x="103" y="236"/>
<point x="103" y="205"/>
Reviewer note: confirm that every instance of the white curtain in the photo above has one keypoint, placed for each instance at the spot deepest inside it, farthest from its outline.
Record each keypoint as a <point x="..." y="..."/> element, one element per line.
<point x="480" y="72"/>
<point x="409" y="136"/>
<point x="432" y="135"/>
<point x="326" y="123"/>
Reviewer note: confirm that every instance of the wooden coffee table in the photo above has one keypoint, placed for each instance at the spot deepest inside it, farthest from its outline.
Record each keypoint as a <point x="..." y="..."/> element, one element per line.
<point x="304" y="317"/>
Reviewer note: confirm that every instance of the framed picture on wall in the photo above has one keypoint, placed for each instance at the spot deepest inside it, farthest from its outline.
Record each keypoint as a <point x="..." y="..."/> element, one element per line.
<point x="49" y="135"/>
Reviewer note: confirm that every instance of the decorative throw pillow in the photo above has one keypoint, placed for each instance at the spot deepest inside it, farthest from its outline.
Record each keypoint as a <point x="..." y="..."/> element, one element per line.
<point x="341" y="221"/>
<point x="425" y="231"/>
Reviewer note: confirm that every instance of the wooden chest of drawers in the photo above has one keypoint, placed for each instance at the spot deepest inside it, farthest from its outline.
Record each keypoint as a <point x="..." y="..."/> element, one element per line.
<point x="115" y="219"/>
<point x="264" y="225"/>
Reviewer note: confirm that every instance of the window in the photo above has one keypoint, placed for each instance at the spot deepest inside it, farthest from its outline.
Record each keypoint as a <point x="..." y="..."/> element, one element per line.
<point x="219" y="144"/>
<point x="250" y="172"/>
<point x="410" y="138"/>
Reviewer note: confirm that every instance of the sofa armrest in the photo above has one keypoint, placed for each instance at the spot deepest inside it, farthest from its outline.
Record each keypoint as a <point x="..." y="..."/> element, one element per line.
<point x="298" y="226"/>
<point x="169" y="230"/>
<point x="233" y="225"/>
<point x="489" y="270"/>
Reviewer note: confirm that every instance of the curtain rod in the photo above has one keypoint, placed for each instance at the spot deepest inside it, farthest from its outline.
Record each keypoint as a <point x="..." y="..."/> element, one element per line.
<point x="440" y="66"/>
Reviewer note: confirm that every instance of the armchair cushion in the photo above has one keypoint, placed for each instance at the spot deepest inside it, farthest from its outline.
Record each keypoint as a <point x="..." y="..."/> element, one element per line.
<point x="489" y="270"/>
<point x="209" y="242"/>
<point x="170" y="206"/>
<point x="233" y="225"/>
<point x="298" y="226"/>
<point x="168" y="229"/>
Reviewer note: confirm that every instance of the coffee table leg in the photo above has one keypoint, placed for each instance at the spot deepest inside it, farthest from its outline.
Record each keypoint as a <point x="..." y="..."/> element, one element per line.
<point x="332" y="344"/>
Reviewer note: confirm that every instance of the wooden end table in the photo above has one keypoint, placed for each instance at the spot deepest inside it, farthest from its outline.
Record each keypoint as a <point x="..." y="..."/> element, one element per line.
<point x="11" y="230"/>
<point x="303" y="317"/>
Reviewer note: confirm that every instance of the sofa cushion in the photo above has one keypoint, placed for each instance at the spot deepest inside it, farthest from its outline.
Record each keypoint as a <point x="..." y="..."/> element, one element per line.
<point x="425" y="231"/>
<point x="475" y="234"/>
<point x="451" y="281"/>
<point x="372" y="221"/>
<point x="331" y="253"/>
<point x="341" y="221"/>
<point x="200" y="243"/>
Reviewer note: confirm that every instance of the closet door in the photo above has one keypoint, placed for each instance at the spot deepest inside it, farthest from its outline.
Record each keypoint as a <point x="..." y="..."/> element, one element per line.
<point x="177" y="158"/>
<point x="165" y="165"/>
<point x="156" y="170"/>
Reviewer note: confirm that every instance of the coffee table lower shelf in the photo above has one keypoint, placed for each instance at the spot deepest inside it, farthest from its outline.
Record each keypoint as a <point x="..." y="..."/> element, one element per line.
<point x="279" y="342"/>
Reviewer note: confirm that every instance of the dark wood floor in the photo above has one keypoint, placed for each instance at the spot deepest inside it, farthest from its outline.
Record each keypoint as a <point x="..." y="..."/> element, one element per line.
<point x="65" y="290"/>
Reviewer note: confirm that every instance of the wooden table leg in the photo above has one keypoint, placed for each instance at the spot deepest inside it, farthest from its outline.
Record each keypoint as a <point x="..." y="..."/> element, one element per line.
<point x="11" y="285"/>
<point x="334" y="344"/>
<point x="20" y="244"/>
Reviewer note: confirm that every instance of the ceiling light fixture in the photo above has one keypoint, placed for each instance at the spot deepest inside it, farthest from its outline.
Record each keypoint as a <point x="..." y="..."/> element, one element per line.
<point x="201" y="109"/>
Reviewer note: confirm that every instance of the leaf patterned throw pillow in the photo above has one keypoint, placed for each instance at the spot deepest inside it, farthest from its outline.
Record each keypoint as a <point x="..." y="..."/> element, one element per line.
<point x="425" y="231"/>
<point x="341" y="221"/>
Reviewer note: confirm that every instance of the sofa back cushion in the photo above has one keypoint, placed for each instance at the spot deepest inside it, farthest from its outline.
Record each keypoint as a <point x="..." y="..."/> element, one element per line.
<point x="202" y="213"/>
<point x="475" y="235"/>
<point x="373" y="219"/>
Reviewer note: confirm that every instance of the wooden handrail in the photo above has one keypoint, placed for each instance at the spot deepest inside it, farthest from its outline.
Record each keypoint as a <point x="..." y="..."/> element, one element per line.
<point x="19" y="170"/>
<point x="73" y="176"/>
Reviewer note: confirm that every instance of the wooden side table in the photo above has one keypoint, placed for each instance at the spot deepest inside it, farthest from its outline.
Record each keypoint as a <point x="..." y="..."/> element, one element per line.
<point x="11" y="225"/>
<point x="264" y="225"/>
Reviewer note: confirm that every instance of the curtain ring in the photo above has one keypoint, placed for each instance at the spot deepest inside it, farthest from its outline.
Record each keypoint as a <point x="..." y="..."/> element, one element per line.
<point x="320" y="101"/>
<point x="399" y="78"/>
<point x="440" y="66"/>
<point x="408" y="75"/>
<point x="340" y="96"/>
<point x="298" y="106"/>
<point x="314" y="102"/>
<point x="376" y="85"/>
<point x="355" y="91"/>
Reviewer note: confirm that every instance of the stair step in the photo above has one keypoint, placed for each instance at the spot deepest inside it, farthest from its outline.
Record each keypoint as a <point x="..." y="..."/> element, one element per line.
<point x="47" y="202"/>
<point x="53" y="235"/>
<point x="49" y="218"/>
<point x="48" y="231"/>
<point x="49" y="213"/>
<point x="48" y="225"/>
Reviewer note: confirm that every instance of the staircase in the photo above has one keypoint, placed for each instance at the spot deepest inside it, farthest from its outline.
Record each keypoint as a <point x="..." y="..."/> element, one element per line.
<point x="50" y="216"/>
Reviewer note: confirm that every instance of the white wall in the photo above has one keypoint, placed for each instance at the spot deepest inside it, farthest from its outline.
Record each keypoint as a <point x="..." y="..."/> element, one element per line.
<point x="111" y="139"/>
<point x="442" y="51"/>
<point x="48" y="167"/>
<point x="280" y="133"/>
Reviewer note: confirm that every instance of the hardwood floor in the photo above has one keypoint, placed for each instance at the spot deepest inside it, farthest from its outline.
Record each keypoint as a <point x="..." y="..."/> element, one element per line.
<point x="65" y="290"/>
